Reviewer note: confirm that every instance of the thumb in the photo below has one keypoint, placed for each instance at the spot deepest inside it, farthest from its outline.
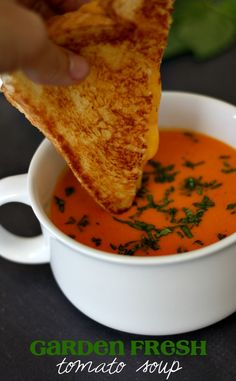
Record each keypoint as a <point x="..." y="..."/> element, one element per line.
<point x="24" y="45"/>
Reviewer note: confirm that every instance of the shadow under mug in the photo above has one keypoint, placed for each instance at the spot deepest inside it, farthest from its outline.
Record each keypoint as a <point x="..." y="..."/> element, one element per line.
<point x="151" y="296"/>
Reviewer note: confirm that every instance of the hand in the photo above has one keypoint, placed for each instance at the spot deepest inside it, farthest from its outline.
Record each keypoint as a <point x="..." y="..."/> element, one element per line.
<point x="24" y="43"/>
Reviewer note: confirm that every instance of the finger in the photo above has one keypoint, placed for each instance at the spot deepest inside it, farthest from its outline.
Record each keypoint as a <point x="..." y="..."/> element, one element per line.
<point x="57" y="66"/>
<point x="52" y="7"/>
<point x="39" y="6"/>
<point x="24" y="44"/>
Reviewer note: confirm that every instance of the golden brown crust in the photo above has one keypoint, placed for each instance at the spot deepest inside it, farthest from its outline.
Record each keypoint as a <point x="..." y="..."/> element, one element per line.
<point x="100" y="126"/>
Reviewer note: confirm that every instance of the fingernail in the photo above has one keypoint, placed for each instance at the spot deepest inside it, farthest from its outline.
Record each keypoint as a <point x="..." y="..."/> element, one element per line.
<point x="79" y="67"/>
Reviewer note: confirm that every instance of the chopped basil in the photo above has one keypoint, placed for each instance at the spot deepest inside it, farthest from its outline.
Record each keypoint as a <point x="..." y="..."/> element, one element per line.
<point x="145" y="243"/>
<point x="96" y="241"/>
<point x="153" y="235"/>
<point x="69" y="191"/>
<point x="150" y="240"/>
<point x="181" y="235"/>
<point x="231" y="206"/>
<point x="228" y="168"/>
<point x="181" y="221"/>
<point x="113" y="247"/>
<point x="138" y="225"/>
<point x="172" y="213"/>
<point x="194" y="218"/>
<point x="160" y="207"/>
<point x="224" y="157"/>
<point x="123" y="250"/>
<point x="60" y="203"/>
<point x="191" y="136"/>
<point x="186" y="231"/>
<point x="168" y="191"/>
<point x="162" y="174"/>
<point x="190" y="164"/>
<point x="196" y="184"/>
<point x="221" y="236"/>
<point x="163" y="232"/>
<point x="205" y="204"/>
<point x="70" y="221"/>
<point x="83" y="222"/>
<point x="199" y="242"/>
<point x="181" y="250"/>
<point x="151" y="204"/>
<point x="191" y="217"/>
<point x="71" y="236"/>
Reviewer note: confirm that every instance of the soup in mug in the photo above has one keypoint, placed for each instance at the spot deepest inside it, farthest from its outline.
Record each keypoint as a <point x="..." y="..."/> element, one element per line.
<point x="187" y="201"/>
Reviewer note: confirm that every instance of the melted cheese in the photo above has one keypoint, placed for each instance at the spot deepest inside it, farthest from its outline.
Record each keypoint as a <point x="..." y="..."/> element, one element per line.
<point x="153" y="133"/>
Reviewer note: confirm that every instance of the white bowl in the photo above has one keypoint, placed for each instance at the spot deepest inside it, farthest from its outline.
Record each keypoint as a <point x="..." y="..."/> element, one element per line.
<point x="152" y="296"/>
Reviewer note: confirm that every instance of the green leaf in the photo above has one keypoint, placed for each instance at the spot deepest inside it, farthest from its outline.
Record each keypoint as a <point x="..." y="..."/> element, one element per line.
<point x="228" y="8"/>
<point x="175" y="45"/>
<point x="203" y="27"/>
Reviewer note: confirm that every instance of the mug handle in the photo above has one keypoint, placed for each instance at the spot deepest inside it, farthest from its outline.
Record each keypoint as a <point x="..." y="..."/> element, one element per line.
<point x="20" y="249"/>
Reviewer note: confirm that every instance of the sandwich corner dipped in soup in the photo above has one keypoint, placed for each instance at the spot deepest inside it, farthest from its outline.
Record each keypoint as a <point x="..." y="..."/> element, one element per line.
<point x="106" y="126"/>
<point x="187" y="201"/>
<point x="106" y="129"/>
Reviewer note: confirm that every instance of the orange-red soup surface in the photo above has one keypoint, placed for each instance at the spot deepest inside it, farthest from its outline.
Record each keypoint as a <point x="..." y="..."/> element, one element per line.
<point x="187" y="201"/>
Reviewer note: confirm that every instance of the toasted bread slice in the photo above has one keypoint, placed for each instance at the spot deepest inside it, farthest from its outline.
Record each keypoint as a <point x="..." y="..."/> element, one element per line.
<point x="105" y="127"/>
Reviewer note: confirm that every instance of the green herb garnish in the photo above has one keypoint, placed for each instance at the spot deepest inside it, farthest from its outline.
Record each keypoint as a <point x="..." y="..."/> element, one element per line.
<point x="186" y="231"/>
<point x="191" y="136"/>
<point x="71" y="236"/>
<point x="138" y="225"/>
<point x="162" y="174"/>
<point x="145" y="243"/>
<point x="181" y="250"/>
<point x="224" y="157"/>
<point x="163" y="232"/>
<point x="228" y="168"/>
<point x="69" y="191"/>
<point x="113" y="247"/>
<point x="60" y="203"/>
<point x="152" y="235"/>
<point x="168" y="191"/>
<point x="190" y="164"/>
<point x="70" y="221"/>
<point x="231" y="206"/>
<point x="126" y="250"/>
<point x="205" y="204"/>
<point x="151" y="204"/>
<point x="83" y="222"/>
<point x="172" y="213"/>
<point x="181" y="235"/>
<point x="193" y="218"/>
<point x="221" y="236"/>
<point x="196" y="184"/>
<point x="199" y="242"/>
<point x="148" y="241"/>
<point x="96" y="241"/>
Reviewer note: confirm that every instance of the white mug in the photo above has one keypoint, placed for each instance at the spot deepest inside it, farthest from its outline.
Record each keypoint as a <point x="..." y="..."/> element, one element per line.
<point x="152" y="296"/>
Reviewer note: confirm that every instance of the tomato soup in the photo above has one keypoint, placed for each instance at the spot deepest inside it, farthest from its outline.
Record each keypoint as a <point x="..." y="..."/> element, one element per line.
<point x="187" y="201"/>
